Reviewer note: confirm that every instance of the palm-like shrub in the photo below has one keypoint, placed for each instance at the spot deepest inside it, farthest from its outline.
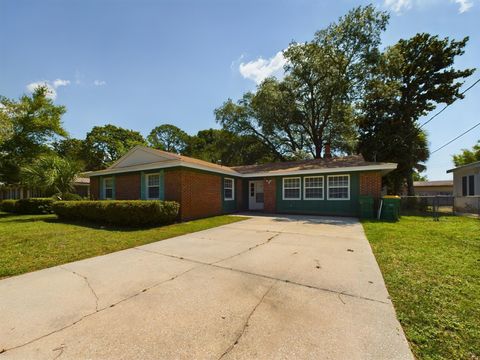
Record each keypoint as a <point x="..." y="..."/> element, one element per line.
<point x="51" y="174"/>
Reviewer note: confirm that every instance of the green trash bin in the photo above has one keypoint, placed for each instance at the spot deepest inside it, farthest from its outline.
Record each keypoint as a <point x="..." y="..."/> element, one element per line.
<point x="390" y="208"/>
<point x="366" y="207"/>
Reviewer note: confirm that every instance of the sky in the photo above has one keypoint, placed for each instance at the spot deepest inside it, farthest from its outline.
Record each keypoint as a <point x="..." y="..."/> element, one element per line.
<point x="142" y="63"/>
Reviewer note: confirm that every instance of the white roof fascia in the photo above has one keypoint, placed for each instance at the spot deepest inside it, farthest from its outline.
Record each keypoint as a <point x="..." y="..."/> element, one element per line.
<point x="173" y="163"/>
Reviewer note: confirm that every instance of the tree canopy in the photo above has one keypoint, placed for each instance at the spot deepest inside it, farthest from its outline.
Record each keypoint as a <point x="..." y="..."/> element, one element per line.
<point x="34" y="121"/>
<point x="106" y="144"/>
<point x="410" y="79"/>
<point x="314" y="104"/>
<point x="467" y="156"/>
<point x="169" y="138"/>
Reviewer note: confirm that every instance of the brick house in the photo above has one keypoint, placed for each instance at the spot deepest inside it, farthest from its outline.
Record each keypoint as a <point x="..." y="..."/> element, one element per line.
<point x="316" y="186"/>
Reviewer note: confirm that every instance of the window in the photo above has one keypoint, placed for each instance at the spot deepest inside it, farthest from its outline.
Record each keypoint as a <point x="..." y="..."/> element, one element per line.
<point x="228" y="190"/>
<point x="471" y="185"/>
<point x="338" y="187"/>
<point x="313" y="188"/>
<point x="468" y="185"/>
<point x="153" y="186"/>
<point x="464" y="186"/>
<point x="291" y="188"/>
<point x="108" y="188"/>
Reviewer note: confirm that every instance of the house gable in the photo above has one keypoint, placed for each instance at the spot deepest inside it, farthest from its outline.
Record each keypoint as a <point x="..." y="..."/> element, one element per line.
<point x="140" y="156"/>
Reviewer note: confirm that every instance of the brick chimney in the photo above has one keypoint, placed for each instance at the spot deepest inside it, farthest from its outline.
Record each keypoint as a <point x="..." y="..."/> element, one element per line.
<point x="328" y="153"/>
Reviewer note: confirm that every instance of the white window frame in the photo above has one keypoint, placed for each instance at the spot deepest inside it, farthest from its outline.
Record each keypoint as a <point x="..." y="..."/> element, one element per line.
<point x="147" y="176"/>
<point x="328" y="188"/>
<point x="105" y="188"/>
<point x="233" y="189"/>
<point x="305" y="187"/>
<point x="299" y="188"/>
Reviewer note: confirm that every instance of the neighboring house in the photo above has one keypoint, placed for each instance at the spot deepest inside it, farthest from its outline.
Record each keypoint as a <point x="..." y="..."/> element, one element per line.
<point x="431" y="188"/>
<point x="81" y="187"/>
<point x="466" y="187"/>
<point x="317" y="186"/>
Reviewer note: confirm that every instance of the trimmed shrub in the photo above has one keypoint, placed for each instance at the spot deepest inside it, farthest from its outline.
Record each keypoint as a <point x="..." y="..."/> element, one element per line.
<point x="67" y="197"/>
<point x="8" y="206"/>
<point x="31" y="206"/>
<point x="119" y="212"/>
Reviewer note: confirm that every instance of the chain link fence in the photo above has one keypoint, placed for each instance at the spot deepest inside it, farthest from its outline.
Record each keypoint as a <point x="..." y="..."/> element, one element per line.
<point x="439" y="205"/>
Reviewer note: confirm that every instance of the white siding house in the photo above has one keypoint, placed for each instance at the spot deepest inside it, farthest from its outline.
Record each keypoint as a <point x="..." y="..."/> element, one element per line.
<point x="466" y="187"/>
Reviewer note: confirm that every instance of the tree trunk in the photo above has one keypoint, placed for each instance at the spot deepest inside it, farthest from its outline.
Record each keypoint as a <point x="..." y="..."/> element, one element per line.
<point x="410" y="189"/>
<point x="318" y="151"/>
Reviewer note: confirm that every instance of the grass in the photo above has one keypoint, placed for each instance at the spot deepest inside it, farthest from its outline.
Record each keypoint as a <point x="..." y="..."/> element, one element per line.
<point x="432" y="272"/>
<point x="33" y="242"/>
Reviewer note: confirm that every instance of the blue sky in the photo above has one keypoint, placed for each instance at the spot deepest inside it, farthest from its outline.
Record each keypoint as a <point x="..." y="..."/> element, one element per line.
<point x="138" y="64"/>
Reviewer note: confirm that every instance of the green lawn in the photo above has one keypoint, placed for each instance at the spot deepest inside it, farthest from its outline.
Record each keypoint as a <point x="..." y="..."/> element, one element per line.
<point x="432" y="272"/>
<point x="33" y="242"/>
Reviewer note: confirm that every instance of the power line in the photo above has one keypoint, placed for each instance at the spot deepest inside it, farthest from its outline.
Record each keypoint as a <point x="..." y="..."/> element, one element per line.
<point x="446" y="106"/>
<point x="459" y="136"/>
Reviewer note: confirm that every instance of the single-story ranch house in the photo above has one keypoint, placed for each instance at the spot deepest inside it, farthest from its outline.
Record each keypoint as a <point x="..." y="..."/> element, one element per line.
<point x="317" y="186"/>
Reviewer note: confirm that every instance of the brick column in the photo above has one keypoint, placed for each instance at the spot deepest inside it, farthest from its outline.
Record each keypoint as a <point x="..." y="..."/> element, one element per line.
<point x="270" y="195"/>
<point x="371" y="184"/>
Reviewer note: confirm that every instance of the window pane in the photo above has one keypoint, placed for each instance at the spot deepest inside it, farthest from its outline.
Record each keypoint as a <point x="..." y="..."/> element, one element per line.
<point x="228" y="193"/>
<point x="153" y="192"/>
<point x="464" y="186"/>
<point x="338" y="193"/>
<point x="292" y="183"/>
<point x="153" y="180"/>
<point x="228" y="183"/>
<point x="109" y="193"/>
<point x="292" y="193"/>
<point x="471" y="185"/>
<point x="313" y="193"/>
<point x="108" y="183"/>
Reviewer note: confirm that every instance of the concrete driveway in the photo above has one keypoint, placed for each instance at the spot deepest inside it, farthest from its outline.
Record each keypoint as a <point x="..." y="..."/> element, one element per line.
<point x="268" y="288"/>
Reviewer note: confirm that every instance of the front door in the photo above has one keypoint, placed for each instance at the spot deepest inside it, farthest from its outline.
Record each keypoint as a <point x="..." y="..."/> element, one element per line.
<point x="255" y="195"/>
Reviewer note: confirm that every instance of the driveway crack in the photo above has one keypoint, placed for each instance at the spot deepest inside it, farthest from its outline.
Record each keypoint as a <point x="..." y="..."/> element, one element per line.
<point x="246" y="324"/>
<point x="2" y="351"/>
<point x="87" y="282"/>
<point x="247" y="250"/>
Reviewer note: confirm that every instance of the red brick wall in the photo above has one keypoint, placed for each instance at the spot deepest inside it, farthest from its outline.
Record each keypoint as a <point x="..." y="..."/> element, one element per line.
<point x="173" y="185"/>
<point x="201" y="195"/>
<point x="127" y="186"/>
<point x="270" y="195"/>
<point x="371" y="184"/>
<point x="95" y="187"/>
<point x="239" y="194"/>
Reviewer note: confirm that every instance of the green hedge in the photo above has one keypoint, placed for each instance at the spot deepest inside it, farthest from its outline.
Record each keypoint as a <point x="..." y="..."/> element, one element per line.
<point x="28" y="206"/>
<point x="8" y="206"/>
<point x="119" y="212"/>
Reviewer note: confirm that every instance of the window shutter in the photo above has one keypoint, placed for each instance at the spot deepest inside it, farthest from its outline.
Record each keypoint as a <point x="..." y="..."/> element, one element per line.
<point x="142" y="186"/>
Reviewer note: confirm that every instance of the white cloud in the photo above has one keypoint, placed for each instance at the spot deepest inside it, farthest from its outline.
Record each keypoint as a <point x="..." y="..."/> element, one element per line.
<point x="99" y="83"/>
<point x="465" y="5"/>
<point x="60" y="82"/>
<point x="258" y="70"/>
<point x="400" y="6"/>
<point x="50" y="85"/>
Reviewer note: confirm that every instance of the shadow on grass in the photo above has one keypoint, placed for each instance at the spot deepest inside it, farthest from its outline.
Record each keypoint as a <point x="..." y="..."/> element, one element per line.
<point x="104" y="227"/>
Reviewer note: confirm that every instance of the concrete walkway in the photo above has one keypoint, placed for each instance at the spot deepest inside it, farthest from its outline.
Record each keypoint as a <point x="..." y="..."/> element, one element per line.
<point x="268" y="288"/>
